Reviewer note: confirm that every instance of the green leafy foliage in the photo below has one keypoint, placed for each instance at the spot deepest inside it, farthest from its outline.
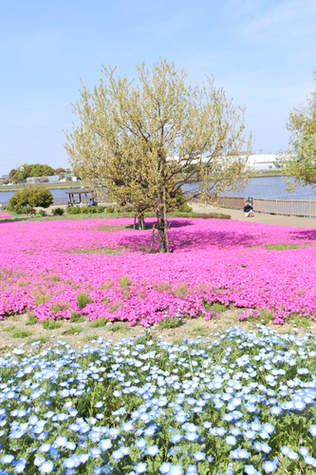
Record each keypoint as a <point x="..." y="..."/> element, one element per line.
<point x="185" y="208"/>
<point x="73" y="210"/>
<point x="33" y="195"/>
<point x="299" y="160"/>
<point x="72" y="330"/>
<point x="58" y="211"/>
<point x="51" y="324"/>
<point x="100" y="322"/>
<point x="42" y="212"/>
<point x="167" y="323"/>
<point x="35" y="170"/>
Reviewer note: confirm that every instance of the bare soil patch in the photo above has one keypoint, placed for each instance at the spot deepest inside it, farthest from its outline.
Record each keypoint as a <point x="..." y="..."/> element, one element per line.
<point x="16" y="332"/>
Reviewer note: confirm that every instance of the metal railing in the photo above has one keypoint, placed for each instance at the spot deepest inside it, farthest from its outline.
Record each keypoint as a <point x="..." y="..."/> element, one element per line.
<point x="304" y="208"/>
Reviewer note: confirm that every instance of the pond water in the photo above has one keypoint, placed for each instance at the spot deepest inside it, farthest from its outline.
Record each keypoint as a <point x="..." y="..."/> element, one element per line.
<point x="272" y="187"/>
<point x="6" y="195"/>
<point x="269" y="187"/>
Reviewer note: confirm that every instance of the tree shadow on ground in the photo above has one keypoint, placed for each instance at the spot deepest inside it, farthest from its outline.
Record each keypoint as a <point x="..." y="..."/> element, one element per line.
<point x="190" y="240"/>
<point x="306" y="234"/>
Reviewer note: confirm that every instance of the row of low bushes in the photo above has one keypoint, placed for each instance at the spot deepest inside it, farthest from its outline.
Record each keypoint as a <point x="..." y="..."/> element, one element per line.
<point x="84" y="209"/>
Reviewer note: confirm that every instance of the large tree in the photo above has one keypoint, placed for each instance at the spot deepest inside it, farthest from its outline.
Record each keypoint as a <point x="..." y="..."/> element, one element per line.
<point x="138" y="140"/>
<point x="31" y="196"/>
<point x="299" y="160"/>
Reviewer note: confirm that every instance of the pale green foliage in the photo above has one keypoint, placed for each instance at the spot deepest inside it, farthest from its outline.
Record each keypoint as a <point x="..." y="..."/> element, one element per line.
<point x="138" y="140"/>
<point x="300" y="159"/>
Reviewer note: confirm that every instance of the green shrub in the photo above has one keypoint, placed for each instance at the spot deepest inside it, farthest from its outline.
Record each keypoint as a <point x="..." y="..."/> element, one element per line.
<point x="19" y="333"/>
<point x="33" y="195"/>
<point x="110" y="209"/>
<point x="100" y="322"/>
<point x="73" y="210"/>
<point x="100" y="209"/>
<point x="31" y="320"/>
<point x="82" y="299"/>
<point x="76" y="317"/>
<point x="168" y="322"/>
<point x="72" y="330"/>
<point x="51" y="324"/>
<point x="42" y="212"/>
<point x="88" y="209"/>
<point x="185" y="208"/>
<point x="58" y="211"/>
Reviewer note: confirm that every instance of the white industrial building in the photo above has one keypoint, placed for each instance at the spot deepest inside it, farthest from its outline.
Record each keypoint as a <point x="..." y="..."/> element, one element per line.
<point x="268" y="161"/>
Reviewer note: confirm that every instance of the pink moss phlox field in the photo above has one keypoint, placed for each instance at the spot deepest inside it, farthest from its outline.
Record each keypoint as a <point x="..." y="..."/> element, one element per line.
<point x="4" y="215"/>
<point x="45" y="265"/>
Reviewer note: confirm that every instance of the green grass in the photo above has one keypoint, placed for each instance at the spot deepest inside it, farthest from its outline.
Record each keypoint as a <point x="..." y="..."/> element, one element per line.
<point x="118" y="327"/>
<point x="40" y="339"/>
<point x="168" y="323"/>
<point x="216" y="307"/>
<point x="19" y="333"/>
<point x="73" y="330"/>
<point x="9" y="329"/>
<point x="199" y="330"/>
<point x="76" y="317"/>
<point x="88" y="338"/>
<point x="51" y="324"/>
<point x="100" y="322"/>
<point x="31" y="320"/>
<point x="300" y="322"/>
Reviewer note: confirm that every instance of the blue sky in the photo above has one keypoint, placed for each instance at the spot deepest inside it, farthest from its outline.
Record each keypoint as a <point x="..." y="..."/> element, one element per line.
<point x="262" y="52"/>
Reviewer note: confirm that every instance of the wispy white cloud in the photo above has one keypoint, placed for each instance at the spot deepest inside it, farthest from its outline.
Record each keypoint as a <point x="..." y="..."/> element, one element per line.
<point x="287" y="19"/>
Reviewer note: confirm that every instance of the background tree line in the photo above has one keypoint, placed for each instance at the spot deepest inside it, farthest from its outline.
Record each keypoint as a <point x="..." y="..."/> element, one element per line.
<point x="35" y="170"/>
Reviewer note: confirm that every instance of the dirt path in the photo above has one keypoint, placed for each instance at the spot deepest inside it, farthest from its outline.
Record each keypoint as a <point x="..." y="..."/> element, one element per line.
<point x="258" y="217"/>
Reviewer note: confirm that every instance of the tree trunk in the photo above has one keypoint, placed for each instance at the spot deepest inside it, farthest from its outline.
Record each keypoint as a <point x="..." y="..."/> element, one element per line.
<point x="165" y="218"/>
<point x="161" y="231"/>
<point x="141" y="222"/>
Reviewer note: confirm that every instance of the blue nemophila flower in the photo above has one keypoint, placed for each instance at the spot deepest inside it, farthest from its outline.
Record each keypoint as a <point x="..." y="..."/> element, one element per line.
<point x="61" y="441"/>
<point x="141" y="467"/>
<point x="270" y="466"/>
<point x="46" y="467"/>
<point x="191" y="470"/>
<point x="175" y="438"/>
<point x="152" y="450"/>
<point x="105" y="444"/>
<point x="72" y="462"/>
<point x="141" y="443"/>
<point x="198" y="456"/>
<point x="127" y="426"/>
<point x="239" y="454"/>
<point x="95" y="452"/>
<point x="231" y="440"/>
<point x="175" y="470"/>
<point x="310" y="460"/>
<point x="251" y="470"/>
<point x="117" y="454"/>
<point x="312" y="430"/>
<point x="304" y="451"/>
<point x="7" y="459"/>
<point x="285" y="450"/>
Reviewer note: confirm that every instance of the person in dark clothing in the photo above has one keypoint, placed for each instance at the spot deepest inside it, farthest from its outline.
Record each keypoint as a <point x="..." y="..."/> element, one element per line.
<point x="248" y="210"/>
